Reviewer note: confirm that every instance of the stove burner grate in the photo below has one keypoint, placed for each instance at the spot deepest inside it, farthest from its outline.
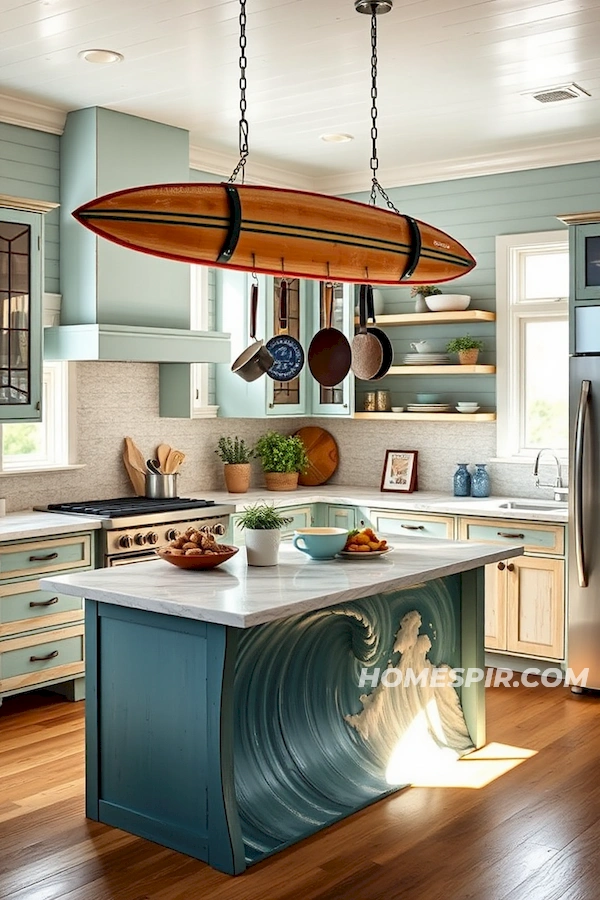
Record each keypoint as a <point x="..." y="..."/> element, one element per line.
<point x="130" y="506"/>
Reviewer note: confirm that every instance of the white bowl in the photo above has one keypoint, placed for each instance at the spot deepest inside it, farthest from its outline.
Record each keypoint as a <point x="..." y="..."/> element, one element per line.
<point x="397" y="409"/>
<point x="467" y="403"/>
<point x="467" y="409"/>
<point x="447" y="302"/>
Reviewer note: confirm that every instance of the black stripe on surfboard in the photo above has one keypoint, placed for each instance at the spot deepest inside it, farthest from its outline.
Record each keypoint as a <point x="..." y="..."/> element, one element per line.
<point x="379" y="245"/>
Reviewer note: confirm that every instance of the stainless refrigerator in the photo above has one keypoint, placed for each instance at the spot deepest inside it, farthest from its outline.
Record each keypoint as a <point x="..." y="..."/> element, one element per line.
<point x="584" y="494"/>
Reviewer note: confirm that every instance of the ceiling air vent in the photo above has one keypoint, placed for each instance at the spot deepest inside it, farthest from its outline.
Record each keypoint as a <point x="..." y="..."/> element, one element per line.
<point x="559" y="92"/>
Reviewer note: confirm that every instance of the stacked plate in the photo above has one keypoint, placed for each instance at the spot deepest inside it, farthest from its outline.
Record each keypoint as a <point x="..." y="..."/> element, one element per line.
<point x="429" y="407"/>
<point x="426" y="359"/>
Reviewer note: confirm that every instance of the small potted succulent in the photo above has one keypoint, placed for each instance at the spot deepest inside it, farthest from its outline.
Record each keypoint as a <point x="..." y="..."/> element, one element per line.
<point x="262" y="524"/>
<point x="467" y="348"/>
<point x="283" y="457"/>
<point x="236" y="456"/>
<point x="420" y="291"/>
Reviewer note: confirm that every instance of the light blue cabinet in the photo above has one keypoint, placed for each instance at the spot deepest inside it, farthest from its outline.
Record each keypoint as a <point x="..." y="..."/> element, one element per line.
<point x="585" y="248"/>
<point x="301" y="517"/>
<point x="341" y="517"/>
<point x="20" y="316"/>
<point x="337" y="400"/>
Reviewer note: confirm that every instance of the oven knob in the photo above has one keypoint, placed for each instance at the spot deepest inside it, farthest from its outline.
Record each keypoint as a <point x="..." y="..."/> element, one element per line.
<point x="125" y="540"/>
<point x="172" y="534"/>
<point x="140" y="539"/>
<point x="152" y="537"/>
<point x="218" y="528"/>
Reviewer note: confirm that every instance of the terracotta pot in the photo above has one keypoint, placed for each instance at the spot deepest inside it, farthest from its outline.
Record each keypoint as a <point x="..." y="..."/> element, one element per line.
<point x="468" y="357"/>
<point x="237" y="477"/>
<point x="281" y="481"/>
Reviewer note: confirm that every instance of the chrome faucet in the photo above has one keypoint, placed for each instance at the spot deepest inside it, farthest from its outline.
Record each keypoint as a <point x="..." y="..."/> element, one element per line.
<point x="560" y="491"/>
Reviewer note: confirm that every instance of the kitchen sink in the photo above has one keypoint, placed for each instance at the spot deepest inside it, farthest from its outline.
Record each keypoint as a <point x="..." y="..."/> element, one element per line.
<point x="540" y="505"/>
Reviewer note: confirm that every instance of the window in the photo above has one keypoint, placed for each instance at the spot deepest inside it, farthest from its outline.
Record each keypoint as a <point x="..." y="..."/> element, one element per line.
<point x="532" y="342"/>
<point x="41" y="445"/>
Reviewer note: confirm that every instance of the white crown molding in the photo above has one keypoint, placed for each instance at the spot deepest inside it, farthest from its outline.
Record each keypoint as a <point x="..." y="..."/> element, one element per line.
<point x="256" y="173"/>
<point x="467" y="167"/>
<point x="7" y="201"/>
<point x="27" y="114"/>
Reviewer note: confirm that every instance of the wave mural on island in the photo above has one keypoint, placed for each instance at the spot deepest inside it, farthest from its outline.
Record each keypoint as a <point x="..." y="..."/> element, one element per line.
<point x="311" y="745"/>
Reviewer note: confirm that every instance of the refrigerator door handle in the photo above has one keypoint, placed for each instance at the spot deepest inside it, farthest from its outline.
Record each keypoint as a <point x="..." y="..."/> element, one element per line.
<point x="582" y="410"/>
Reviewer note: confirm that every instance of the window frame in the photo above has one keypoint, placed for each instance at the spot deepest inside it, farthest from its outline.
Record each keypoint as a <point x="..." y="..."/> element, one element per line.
<point x="200" y="321"/>
<point x="511" y="317"/>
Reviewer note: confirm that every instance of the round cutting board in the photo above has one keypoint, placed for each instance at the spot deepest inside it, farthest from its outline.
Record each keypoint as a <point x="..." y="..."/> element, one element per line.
<point x="322" y="452"/>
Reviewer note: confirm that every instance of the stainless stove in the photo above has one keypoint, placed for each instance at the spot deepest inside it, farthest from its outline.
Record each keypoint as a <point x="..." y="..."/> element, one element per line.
<point x="133" y="526"/>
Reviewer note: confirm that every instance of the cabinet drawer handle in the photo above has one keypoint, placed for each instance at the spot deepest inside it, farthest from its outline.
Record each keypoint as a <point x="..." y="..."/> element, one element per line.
<point x="43" y="558"/>
<point x="49" y="602"/>
<point x="508" y="534"/>
<point x="501" y="566"/>
<point x="511" y="567"/>
<point x="413" y="527"/>
<point x="52" y="655"/>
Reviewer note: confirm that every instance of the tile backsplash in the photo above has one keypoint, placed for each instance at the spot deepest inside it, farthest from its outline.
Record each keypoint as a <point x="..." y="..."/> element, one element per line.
<point x="118" y="399"/>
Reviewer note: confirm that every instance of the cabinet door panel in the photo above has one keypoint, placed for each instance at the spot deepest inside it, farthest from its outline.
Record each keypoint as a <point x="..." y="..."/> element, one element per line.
<point x="46" y="656"/>
<point x="533" y="536"/>
<point x="341" y="517"/>
<point x="24" y="607"/>
<point x="36" y="557"/>
<point x="495" y="607"/>
<point x="535" y="607"/>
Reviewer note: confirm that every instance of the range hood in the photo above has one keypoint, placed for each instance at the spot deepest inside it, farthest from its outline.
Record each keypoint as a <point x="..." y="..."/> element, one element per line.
<point x="118" y="304"/>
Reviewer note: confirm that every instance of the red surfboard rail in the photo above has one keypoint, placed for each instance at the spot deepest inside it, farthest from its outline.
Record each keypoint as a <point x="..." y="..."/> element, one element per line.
<point x="276" y="231"/>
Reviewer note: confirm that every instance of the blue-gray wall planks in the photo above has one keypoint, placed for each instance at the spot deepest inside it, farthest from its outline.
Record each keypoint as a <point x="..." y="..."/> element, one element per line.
<point x="29" y="167"/>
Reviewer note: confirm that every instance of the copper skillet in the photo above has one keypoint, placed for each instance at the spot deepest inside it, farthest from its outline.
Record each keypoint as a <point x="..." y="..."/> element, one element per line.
<point x="329" y="354"/>
<point x="386" y="344"/>
<point x="367" y="351"/>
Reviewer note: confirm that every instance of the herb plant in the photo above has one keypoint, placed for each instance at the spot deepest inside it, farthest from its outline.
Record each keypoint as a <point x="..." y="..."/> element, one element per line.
<point x="261" y="517"/>
<point x="466" y="342"/>
<point x="425" y="290"/>
<point x="234" y="451"/>
<point x="281" y="453"/>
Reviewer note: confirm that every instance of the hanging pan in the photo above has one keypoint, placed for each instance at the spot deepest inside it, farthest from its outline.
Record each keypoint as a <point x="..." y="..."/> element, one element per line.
<point x="256" y="359"/>
<point x="287" y="352"/>
<point x="329" y="354"/>
<point x="379" y="333"/>
<point x="367" y="352"/>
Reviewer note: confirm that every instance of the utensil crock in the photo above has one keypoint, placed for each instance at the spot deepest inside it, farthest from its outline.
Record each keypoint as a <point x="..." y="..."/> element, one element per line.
<point x="161" y="487"/>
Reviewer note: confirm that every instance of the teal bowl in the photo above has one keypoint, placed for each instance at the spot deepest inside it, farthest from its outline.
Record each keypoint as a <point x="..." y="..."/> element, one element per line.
<point x="320" y="543"/>
<point x="428" y="398"/>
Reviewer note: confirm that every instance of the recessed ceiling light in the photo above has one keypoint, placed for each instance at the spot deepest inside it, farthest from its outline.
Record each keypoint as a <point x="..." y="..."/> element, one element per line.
<point x="337" y="138"/>
<point x="102" y="57"/>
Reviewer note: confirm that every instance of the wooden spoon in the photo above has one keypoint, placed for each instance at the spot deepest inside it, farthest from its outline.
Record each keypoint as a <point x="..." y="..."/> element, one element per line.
<point x="174" y="460"/>
<point x="162" y="453"/>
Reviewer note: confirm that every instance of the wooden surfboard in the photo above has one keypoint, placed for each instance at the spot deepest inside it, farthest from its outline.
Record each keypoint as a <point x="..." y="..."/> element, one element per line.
<point x="275" y="231"/>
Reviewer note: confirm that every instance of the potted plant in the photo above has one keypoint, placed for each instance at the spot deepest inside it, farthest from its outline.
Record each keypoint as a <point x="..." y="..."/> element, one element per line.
<point x="467" y="348"/>
<point x="236" y="456"/>
<point x="283" y="457"/>
<point x="262" y="524"/>
<point x="420" y="291"/>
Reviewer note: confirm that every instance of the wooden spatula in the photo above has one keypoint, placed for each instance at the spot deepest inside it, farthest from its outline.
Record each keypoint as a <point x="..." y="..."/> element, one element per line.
<point x="174" y="460"/>
<point x="162" y="454"/>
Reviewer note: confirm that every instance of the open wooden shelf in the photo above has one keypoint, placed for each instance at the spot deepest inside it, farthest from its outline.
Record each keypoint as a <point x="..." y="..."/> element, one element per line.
<point x="428" y="417"/>
<point x="437" y="318"/>
<point x="442" y="370"/>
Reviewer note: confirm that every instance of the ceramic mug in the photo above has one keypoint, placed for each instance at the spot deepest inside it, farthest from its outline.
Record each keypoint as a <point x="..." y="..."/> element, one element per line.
<point x="421" y="346"/>
<point x="320" y="543"/>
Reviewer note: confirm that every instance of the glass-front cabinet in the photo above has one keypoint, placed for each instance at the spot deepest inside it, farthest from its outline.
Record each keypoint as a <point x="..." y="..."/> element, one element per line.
<point x="287" y="397"/>
<point x="20" y="315"/>
<point x="337" y="400"/>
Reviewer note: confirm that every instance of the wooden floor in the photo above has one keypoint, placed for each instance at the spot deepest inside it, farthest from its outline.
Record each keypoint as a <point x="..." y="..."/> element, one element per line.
<point x="532" y="833"/>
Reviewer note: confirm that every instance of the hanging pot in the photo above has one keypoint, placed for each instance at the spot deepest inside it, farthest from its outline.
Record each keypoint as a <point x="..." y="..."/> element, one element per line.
<point x="329" y="354"/>
<point x="256" y="359"/>
<point x="287" y="352"/>
<point x="382" y="337"/>
<point x="367" y="352"/>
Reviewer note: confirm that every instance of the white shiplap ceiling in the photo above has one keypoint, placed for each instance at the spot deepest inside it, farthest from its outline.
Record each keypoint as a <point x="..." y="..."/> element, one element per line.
<point x="451" y="84"/>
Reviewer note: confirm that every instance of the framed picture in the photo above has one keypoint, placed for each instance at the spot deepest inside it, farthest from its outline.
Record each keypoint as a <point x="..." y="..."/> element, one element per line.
<point x="400" y="471"/>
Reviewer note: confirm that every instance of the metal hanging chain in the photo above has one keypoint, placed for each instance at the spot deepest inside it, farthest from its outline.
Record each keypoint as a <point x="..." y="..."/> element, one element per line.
<point x="374" y="164"/>
<point x="243" y="123"/>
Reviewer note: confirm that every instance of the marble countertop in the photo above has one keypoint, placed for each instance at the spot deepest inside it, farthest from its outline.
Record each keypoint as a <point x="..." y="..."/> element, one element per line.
<point x="243" y="596"/>
<point x="420" y="501"/>
<point x="18" y="526"/>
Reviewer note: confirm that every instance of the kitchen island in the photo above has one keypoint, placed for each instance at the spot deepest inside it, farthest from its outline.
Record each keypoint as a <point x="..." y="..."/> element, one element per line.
<point x="234" y="711"/>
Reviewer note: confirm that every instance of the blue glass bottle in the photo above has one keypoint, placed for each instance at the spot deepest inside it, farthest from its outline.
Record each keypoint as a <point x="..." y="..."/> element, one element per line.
<point x="480" y="482"/>
<point x="462" y="481"/>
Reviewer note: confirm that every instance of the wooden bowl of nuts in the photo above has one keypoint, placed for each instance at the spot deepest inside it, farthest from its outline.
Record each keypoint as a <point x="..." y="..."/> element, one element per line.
<point x="196" y="549"/>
